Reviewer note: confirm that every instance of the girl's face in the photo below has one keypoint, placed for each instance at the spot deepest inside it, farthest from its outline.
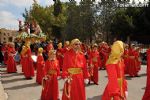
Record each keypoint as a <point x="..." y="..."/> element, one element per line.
<point x="94" y="48"/>
<point x="52" y="55"/>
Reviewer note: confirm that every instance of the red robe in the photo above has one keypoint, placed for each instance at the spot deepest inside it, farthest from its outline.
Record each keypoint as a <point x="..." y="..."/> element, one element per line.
<point x="50" y="86"/>
<point x="95" y="61"/>
<point x="75" y="89"/>
<point x="133" y="63"/>
<point x="126" y="60"/>
<point x="117" y="85"/>
<point x="11" y="64"/>
<point x="40" y="69"/>
<point x="59" y="56"/>
<point x="49" y="47"/>
<point x="22" y="62"/>
<point x="65" y="49"/>
<point x="147" y="90"/>
<point x="5" y="50"/>
<point x="104" y="53"/>
<point x="29" y="70"/>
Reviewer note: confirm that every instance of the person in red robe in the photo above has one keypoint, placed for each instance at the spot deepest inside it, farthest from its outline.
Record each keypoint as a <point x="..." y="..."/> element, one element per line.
<point x="50" y="82"/>
<point x="11" y="64"/>
<point x="126" y="58"/>
<point x="137" y="53"/>
<point x="146" y="95"/>
<point x="49" y="46"/>
<point x="40" y="66"/>
<point x="59" y="55"/>
<point x="116" y="88"/>
<point x="104" y="51"/>
<point x="74" y="72"/>
<point x="5" y="51"/>
<point x="66" y="47"/>
<point x="133" y="61"/>
<point x="23" y="60"/>
<point x="95" y="62"/>
<point x="28" y="63"/>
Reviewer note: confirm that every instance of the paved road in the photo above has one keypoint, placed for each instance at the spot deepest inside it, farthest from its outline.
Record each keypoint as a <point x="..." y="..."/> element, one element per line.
<point x="18" y="88"/>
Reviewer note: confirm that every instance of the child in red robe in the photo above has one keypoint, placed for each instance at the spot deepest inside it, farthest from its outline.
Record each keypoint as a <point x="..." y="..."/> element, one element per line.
<point x="28" y="62"/>
<point x="59" y="55"/>
<point x="95" y="62"/>
<point x="40" y="66"/>
<point x="50" y="82"/>
<point x="11" y="64"/>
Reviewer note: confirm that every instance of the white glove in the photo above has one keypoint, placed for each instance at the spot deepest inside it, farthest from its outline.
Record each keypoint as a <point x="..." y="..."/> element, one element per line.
<point x="126" y="93"/>
<point x="58" y="77"/>
<point x="86" y="81"/>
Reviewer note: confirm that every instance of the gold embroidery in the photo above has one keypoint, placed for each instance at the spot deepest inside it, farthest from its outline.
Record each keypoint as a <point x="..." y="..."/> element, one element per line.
<point x="52" y="71"/>
<point x="75" y="70"/>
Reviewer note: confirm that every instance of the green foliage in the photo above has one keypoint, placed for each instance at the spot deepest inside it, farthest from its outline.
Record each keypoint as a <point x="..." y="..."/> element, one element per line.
<point x="71" y="20"/>
<point x="80" y="22"/>
<point x="122" y="24"/>
<point x="46" y="19"/>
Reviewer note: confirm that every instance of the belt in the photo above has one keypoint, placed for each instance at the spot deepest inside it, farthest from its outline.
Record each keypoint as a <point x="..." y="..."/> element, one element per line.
<point x="52" y="71"/>
<point x="75" y="70"/>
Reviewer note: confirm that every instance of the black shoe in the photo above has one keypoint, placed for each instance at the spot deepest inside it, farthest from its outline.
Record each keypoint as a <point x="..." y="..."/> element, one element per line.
<point x="96" y="83"/>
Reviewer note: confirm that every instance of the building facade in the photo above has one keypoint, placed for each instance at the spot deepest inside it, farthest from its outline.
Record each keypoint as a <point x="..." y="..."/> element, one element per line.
<point x="7" y="35"/>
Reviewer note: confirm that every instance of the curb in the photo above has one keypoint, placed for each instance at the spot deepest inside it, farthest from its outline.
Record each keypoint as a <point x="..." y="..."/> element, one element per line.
<point x="3" y="95"/>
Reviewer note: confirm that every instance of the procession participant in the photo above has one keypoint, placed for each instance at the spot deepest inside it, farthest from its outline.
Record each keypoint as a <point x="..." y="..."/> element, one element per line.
<point x="116" y="88"/>
<point x="49" y="46"/>
<point x="40" y="66"/>
<point x="66" y="47"/>
<point x="104" y="51"/>
<point x="26" y="52"/>
<point x="74" y="72"/>
<point x="146" y="95"/>
<point x="5" y="51"/>
<point x="59" y="55"/>
<point x="50" y="82"/>
<point x="95" y="62"/>
<point x="126" y="58"/>
<point x="133" y="61"/>
<point x="137" y="53"/>
<point x="23" y="58"/>
<point x="11" y="64"/>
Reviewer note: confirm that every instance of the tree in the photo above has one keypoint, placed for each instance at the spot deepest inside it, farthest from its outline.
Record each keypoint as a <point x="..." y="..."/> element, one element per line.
<point x="122" y="24"/>
<point x="80" y="22"/>
<point x="44" y="16"/>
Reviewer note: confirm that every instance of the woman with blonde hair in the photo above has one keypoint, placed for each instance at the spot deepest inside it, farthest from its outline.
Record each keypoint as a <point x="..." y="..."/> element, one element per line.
<point x="116" y="88"/>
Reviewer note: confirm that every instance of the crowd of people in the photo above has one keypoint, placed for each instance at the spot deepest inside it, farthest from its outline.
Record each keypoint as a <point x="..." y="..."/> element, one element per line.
<point x="77" y="63"/>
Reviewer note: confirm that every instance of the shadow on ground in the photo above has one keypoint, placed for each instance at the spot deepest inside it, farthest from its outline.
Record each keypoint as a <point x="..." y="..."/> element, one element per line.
<point x="95" y="98"/>
<point x="5" y="75"/>
<point x="22" y="86"/>
<point x="12" y="80"/>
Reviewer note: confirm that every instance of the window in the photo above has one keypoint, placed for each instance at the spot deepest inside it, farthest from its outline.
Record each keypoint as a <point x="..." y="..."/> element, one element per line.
<point x="10" y="39"/>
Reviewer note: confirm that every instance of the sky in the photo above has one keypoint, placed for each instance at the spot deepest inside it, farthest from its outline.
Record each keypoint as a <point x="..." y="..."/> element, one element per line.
<point x="11" y="11"/>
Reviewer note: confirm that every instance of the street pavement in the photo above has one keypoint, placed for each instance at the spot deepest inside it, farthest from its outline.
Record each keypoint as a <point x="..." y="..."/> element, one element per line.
<point x="18" y="88"/>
